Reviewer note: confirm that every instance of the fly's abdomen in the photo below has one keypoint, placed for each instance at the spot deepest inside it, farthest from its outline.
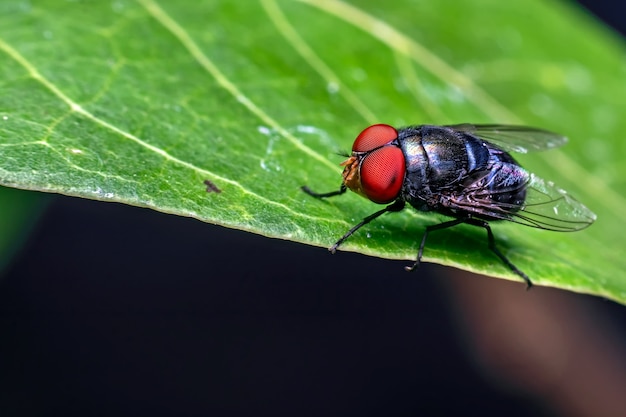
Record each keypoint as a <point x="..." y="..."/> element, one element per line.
<point x="501" y="189"/>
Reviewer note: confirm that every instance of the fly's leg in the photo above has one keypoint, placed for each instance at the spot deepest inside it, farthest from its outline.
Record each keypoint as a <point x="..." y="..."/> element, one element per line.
<point x="429" y="229"/>
<point x="312" y="193"/>
<point x="490" y="238"/>
<point x="494" y="249"/>
<point x="395" y="206"/>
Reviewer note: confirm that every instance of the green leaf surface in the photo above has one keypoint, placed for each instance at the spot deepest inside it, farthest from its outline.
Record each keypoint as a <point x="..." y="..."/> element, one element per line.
<point x="142" y="101"/>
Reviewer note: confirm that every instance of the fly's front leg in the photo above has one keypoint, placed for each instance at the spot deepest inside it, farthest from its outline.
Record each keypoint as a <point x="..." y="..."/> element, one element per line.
<point x="395" y="206"/>
<point x="312" y="193"/>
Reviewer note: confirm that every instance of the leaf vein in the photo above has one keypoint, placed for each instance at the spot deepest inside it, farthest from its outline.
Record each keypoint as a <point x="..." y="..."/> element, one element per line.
<point x="205" y="62"/>
<point x="288" y="32"/>
<point x="77" y="108"/>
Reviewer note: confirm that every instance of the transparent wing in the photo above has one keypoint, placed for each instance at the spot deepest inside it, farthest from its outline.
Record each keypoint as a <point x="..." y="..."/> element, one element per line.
<point x="514" y="138"/>
<point x="550" y="207"/>
<point x="546" y="207"/>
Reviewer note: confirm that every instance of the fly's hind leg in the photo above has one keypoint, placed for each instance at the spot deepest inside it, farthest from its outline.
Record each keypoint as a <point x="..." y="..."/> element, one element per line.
<point x="494" y="249"/>
<point x="491" y="241"/>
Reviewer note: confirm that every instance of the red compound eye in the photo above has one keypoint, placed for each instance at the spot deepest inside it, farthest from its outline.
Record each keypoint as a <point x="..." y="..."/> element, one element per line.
<point x="382" y="174"/>
<point x="374" y="137"/>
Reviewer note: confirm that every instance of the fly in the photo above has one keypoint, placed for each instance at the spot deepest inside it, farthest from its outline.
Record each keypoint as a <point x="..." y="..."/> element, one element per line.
<point x="462" y="171"/>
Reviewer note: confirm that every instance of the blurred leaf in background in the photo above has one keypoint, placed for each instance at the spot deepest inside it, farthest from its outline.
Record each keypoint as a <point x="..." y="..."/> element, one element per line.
<point x="141" y="102"/>
<point x="20" y="212"/>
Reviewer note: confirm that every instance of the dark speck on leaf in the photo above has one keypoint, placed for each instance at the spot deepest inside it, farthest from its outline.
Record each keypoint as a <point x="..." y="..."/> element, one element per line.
<point x="211" y="188"/>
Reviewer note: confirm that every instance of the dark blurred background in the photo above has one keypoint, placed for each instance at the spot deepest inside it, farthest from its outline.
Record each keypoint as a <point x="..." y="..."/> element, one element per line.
<point x="116" y="310"/>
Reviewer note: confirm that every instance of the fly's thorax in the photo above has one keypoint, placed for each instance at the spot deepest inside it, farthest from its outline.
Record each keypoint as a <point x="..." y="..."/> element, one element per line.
<point x="416" y="163"/>
<point x="437" y="160"/>
<point x="452" y="155"/>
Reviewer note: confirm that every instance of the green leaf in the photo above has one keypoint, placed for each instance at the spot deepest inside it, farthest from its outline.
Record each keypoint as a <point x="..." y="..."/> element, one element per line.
<point x="142" y="101"/>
